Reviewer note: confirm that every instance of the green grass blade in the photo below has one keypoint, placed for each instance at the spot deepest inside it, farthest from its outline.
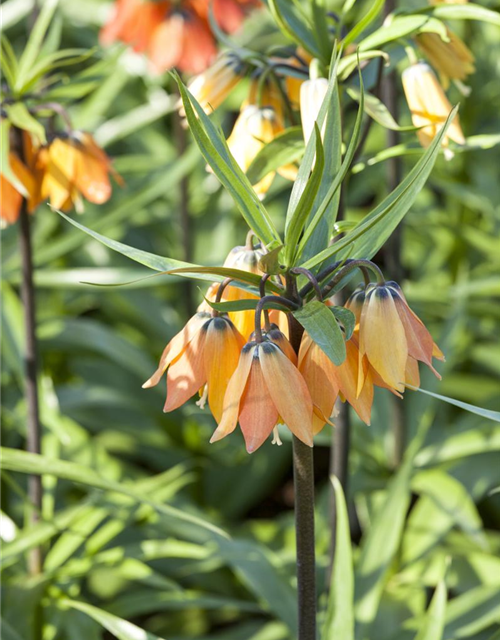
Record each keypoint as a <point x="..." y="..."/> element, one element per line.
<point x="14" y="460"/>
<point x="340" y="614"/>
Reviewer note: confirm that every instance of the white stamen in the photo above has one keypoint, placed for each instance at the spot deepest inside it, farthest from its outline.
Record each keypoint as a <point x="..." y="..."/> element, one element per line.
<point x="276" y="437"/>
<point x="203" y="400"/>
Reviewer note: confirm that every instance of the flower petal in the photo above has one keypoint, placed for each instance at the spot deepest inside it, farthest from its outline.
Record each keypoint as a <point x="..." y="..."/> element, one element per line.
<point x="412" y="375"/>
<point x="186" y="376"/>
<point x="258" y="415"/>
<point x="382" y="337"/>
<point x="318" y="372"/>
<point x="234" y="393"/>
<point x="221" y="355"/>
<point x="288" y="390"/>
<point x="177" y="345"/>
<point x="348" y="376"/>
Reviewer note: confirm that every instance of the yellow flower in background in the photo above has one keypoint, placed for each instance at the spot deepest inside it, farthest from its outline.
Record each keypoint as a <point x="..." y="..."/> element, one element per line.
<point x="212" y="87"/>
<point x="266" y="388"/>
<point x="429" y="106"/>
<point x="255" y="127"/>
<point x="453" y="60"/>
<point x="448" y="1"/>
<point x="312" y="94"/>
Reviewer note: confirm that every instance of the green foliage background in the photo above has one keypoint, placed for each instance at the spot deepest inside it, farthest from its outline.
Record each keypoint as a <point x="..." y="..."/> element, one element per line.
<point x="114" y="549"/>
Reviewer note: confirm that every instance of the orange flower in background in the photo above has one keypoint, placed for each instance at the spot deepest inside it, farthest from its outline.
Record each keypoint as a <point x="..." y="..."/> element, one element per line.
<point x="134" y="22"/>
<point x="74" y="166"/>
<point x="173" y="34"/>
<point x="390" y="333"/>
<point x="265" y="388"/>
<point x="429" y="106"/>
<point x="204" y="354"/>
<point x="183" y="40"/>
<point x="11" y="199"/>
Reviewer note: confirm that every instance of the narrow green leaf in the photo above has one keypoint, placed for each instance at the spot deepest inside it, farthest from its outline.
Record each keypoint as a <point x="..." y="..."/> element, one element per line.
<point x="377" y="110"/>
<point x="464" y="12"/>
<point x="214" y="149"/>
<point x="244" y="305"/>
<point x="433" y="626"/>
<point x="339" y="621"/>
<point x="380" y="546"/>
<point x="8" y="60"/>
<point x="297" y="220"/>
<point x="320" y="323"/>
<point x="374" y="9"/>
<point x="35" y="41"/>
<point x="372" y="232"/>
<point x="294" y="25"/>
<point x="20" y="117"/>
<point x="287" y="147"/>
<point x="484" y="413"/>
<point x="400" y="27"/>
<point x="349" y="63"/>
<point x="121" y="629"/>
<point x="23" y="462"/>
<point x="227" y="272"/>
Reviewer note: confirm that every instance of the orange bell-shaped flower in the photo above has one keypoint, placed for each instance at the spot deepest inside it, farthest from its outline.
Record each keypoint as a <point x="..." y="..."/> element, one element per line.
<point x="205" y="352"/>
<point x="390" y="333"/>
<point x="265" y="388"/>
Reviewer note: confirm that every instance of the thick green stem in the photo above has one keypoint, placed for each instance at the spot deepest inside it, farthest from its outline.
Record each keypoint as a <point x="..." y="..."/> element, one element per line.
<point x="303" y="475"/>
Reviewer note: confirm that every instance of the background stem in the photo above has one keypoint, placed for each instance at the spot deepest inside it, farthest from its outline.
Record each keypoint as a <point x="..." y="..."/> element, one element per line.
<point x="303" y="478"/>
<point x="185" y="217"/>
<point x="33" y="436"/>
<point x="392" y="249"/>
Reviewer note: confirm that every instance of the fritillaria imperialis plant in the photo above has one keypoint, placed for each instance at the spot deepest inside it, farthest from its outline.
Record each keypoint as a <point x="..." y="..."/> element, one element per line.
<point x="270" y="348"/>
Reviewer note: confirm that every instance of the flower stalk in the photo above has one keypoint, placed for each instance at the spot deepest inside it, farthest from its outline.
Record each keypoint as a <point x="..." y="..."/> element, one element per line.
<point x="303" y="478"/>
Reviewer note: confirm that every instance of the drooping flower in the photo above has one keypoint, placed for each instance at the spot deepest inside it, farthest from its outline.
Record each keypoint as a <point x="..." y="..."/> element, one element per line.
<point x="312" y="94"/>
<point x="72" y="166"/>
<point x="182" y="40"/>
<point x="134" y="22"/>
<point x="212" y="87"/>
<point x="453" y="60"/>
<point x="205" y="352"/>
<point x="11" y="198"/>
<point x="254" y="127"/>
<point x="265" y="388"/>
<point x="390" y="333"/>
<point x="326" y="381"/>
<point x="429" y="106"/>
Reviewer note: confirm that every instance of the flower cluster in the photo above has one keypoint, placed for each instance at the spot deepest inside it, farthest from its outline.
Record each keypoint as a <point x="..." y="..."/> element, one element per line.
<point x="173" y="34"/>
<point x="254" y="377"/>
<point x="70" y="166"/>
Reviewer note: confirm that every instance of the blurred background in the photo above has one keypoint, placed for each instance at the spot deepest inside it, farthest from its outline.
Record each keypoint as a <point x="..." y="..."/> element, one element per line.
<point x="98" y="344"/>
